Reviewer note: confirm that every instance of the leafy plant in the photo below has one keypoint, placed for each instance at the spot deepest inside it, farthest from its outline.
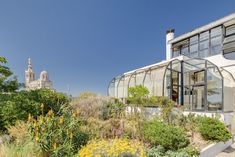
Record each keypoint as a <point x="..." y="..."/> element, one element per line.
<point x="166" y="106"/>
<point x="19" y="132"/>
<point x="168" y="136"/>
<point x="58" y="135"/>
<point x="17" y="106"/>
<point x="28" y="149"/>
<point x="137" y="95"/>
<point x="159" y="151"/>
<point x="7" y="84"/>
<point x="213" y="129"/>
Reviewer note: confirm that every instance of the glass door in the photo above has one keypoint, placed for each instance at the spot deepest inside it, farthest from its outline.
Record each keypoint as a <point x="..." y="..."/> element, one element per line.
<point x="198" y="97"/>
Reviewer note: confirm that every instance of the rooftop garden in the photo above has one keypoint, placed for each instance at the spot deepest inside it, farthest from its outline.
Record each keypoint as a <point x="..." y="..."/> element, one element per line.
<point x="43" y="123"/>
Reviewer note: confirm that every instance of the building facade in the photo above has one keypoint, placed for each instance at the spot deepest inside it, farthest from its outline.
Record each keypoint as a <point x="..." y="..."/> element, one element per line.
<point x="31" y="83"/>
<point x="198" y="73"/>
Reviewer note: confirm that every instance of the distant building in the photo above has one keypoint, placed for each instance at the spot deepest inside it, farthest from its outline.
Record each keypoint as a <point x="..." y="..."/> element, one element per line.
<point x="32" y="84"/>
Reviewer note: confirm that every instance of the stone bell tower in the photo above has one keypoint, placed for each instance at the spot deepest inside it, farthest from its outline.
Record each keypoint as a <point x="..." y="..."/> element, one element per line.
<point x="29" y="74"/>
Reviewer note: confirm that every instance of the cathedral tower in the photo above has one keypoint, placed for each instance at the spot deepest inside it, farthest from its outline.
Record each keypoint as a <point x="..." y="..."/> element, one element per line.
<point x="31" y="83"/>
<point x="29" y="74"/>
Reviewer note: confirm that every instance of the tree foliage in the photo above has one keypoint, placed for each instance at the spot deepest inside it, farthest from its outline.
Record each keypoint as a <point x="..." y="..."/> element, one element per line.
<point x="17" y="106"/>
<point x="7" y="83"/>
<point x="138" y="95"/>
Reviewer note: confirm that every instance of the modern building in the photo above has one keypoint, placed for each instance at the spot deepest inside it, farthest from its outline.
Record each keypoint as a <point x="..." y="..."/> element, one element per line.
<point x="198" y="73"/>
<point x="32" y="84"/>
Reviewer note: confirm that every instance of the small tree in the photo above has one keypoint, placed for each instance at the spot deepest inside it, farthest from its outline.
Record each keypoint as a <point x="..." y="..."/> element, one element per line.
<point x="166" y="106"/>
<point x="137" y="98"/>
<point x="6" y="84"/>
<point x="138" y="95"/>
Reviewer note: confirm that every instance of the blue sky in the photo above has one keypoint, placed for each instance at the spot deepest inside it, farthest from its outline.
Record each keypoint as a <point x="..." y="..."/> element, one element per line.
<point x="83" y="44"/>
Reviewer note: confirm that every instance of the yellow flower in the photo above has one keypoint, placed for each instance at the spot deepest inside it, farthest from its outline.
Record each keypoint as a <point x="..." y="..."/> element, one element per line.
<point x="71" y="135"/>
<point x="61" y="120"/>
<point x="54" y="146"/>
<point x="29" y="118"/>
<point x="114" y="148"/>
<point x="35" y="124"/>
<point x="50" y="113"/>
<point x="37" y="136"/>
<point x="41" y="119"/>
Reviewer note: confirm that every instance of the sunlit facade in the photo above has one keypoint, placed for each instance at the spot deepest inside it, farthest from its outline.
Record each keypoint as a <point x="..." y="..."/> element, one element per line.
<point x="198" y="73"/>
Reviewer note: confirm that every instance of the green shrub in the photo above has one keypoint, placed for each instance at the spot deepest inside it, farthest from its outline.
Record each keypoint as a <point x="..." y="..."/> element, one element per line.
<point x="28" y="149"/>
<point x="17" y="106"/>
<point x="213" y="129"/>
<point x="58" y="135"/>
<point x="168" y="136"/>
<point x="159" y="151"/>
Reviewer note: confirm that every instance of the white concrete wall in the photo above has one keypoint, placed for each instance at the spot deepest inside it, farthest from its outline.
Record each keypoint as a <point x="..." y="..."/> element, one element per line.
<point x="169" y="36"/>
<point x="214" y="149"/>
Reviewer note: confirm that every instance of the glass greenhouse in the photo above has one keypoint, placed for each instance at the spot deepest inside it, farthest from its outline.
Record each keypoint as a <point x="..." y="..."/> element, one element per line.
<point x="194" y="83"/>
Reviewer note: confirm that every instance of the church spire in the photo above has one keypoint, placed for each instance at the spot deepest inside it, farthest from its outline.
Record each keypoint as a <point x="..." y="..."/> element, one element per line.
<point x="29" y="64"/>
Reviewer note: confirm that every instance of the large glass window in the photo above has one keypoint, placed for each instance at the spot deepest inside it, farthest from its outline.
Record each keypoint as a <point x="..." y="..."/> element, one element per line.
<point x="201" y="45"/>
<point x="229" y="43"/>
<point x="230" y="30"/>
<point x="204" y="44"/>
<point x="216" y="40"/>
<point x="230" y="55"/>
<point x="194" y="46"/>
<point x="179" y="48"/>
<point x="214" y="89"/>
<point x="203" y="85"/>
<point x="173" y="81"/>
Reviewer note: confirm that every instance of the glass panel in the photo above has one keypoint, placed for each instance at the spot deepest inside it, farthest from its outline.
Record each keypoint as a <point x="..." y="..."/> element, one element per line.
<point x="204" y="53"/>
<point x="187" y="96"/>
<point x="204" y="44"/>
<point x="176" y="65"/>
<point x="193" y="48"/>
<point x="214" y="89"/>
<point x="230" y="30"/>
<point x="168" y="84"/>
<point x="194" y="55"/>
<point x="184" y="50"/>
<point x="216" y="41"/>
<point x="140" y="78"/>
<point x="194" y="40"/>
<point x="199" y="77"/>
<point x="195" y="81"/>
<point x="229" y="39"/>
<point x="198" y="97"/>
<point x="230" y="55"/>
<point x="176" y="52"/>
<point x="175" y="94"/>
<point x="204" y="36"/>
<point x="216" y="49"/>
<point x="175" y="78"/>
<point x="216" y="31"/>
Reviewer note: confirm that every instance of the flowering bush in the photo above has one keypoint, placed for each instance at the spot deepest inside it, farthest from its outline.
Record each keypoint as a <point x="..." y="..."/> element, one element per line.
<point x="113" y="148"/>
<point x="57" y="135"/>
